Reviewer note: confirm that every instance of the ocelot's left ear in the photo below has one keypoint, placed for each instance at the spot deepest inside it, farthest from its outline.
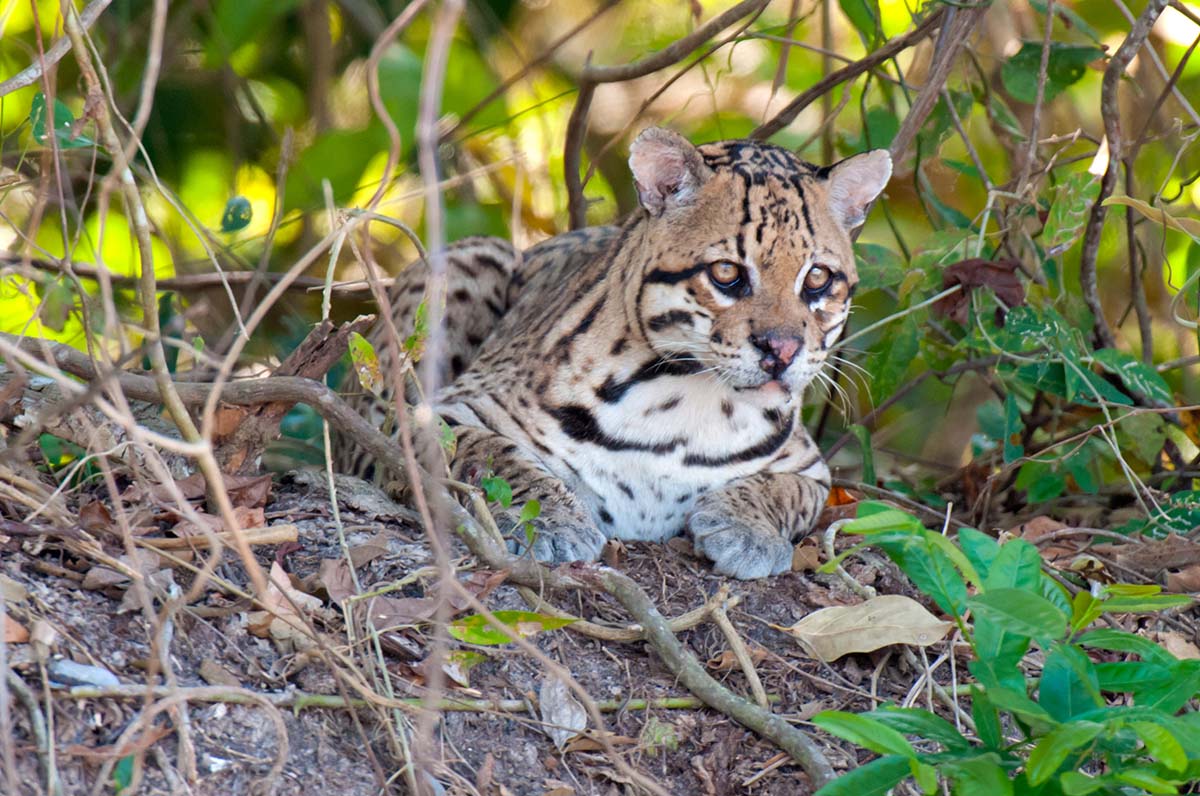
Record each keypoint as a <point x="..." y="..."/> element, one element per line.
<point x="854" y="183"/>
<point x="667" y="170"/>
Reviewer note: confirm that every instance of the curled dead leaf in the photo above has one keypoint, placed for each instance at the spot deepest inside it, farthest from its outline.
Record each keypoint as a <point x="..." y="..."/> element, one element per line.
<point x="881" y="621"/>
<point x="563" y="716"/>
<point x="999" y="275"/>
<point x="14" y="631"/>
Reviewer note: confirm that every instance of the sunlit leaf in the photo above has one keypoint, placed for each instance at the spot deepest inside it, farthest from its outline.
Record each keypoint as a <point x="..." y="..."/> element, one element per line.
<point x="1067" y="64"/>
<point x="476" y="629"/>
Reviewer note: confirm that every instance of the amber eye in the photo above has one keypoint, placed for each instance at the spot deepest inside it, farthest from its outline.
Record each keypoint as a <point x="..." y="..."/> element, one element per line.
<point x="817" y="279"/>
<point x="726" y="276"/>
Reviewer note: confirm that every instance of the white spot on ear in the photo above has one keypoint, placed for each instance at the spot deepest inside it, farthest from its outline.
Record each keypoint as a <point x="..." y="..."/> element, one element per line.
<point x="855" y="183"/>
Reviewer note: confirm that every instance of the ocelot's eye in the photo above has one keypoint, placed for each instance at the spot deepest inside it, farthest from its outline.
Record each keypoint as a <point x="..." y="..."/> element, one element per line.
<point x="728" y="277"/>
<point x="816" y="281"/>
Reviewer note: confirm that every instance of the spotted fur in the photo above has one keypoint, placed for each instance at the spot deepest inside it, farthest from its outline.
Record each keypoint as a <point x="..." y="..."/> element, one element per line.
<point x="643" y="379"/>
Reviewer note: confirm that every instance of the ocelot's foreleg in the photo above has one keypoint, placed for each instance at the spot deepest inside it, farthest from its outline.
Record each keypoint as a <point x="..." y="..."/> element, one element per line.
<point x="747" y="528"/>
<point x="562" y="531"/>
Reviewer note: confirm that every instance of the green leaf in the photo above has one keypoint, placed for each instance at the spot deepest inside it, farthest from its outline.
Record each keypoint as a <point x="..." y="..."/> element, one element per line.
<point x="1053" y="749"/>
<point x="1067" y="64"/>
<point x="870" y="521"/>
<point x="987" y="719"/>
<point x="1069" y="212"/>
<point x="1147" y="781"/>
<point x="1090" y="388"/>
<point x="238" y="214"/>
<point x="1161" y="744"/>
<point x="64" y="124"/>
<point x="1017" y="565"/>
<point x="1020" y="612"/>
<point x="1176" y="692"/>
<point x="878" y="267"/>
<point x="864" y="731"/>
<point x="1013" y="429"/>
<point x="999" y="653"/>
<point x="58" y="300"/>
<point x="980" y="549"/>
<point x="1040" y="480"/>
<point x="1131" y="677"/>
<point x="1135" y="374"/>
<point x="980" y="776"/>
<point x="871" y="779"/>
<point x="1149" y="604"/>
<point x="893" y="356"/>
<point x="1123" y="641"/>
<point x="932" y="570"/>
<point x="122" y="774"/>
<point x="864" y="15"/>
<point x="1024" y="708"/>
<point x="1144" y="434"/>
<point x="476" y="629"/>
<point x="1074" y="783"/>
<point x="1069" y="684"/>
<point x="366" y="363"/>
<point x="914" y="721"/>
<point x="863" y="435"/>
<point x="496" y="490"/>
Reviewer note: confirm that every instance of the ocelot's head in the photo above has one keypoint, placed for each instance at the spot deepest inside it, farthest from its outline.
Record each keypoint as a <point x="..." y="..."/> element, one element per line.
<point x="748" y="265"/>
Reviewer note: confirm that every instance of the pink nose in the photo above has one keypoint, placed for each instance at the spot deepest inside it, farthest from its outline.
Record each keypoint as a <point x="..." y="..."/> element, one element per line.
<point x="778" y="351"/>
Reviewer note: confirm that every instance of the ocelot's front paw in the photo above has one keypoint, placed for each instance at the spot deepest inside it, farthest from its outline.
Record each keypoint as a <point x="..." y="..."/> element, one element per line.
<point x="557" y="536"/>
<point x="739" y="545"/>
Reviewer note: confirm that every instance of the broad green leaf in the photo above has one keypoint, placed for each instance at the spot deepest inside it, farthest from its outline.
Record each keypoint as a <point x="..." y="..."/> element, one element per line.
<point x="863" y="435"/>
<point x="58" y="300"/>
<point x="1069" y="684"/>
<point x="930" y="568"/>
<point x="893" y="356"/>
<point x="1074" y="783"/>
<point x="1085" y="609"/>
<point x="238" y="214"/>
<point x="1017" y="565"/>
<point x="1087" y="387"/>
<point x="1067" y="64"/>
<point x="864" y="731"/>
<point x="366" y="363"/>
<point x="1144" y="434"/>
<point x="1188" y="226"/>
<point x="1130" y="677"/>
<point x="980" y="776"/>
<point x="1147" y="781"/>
<point x="999" y="653"/>
<point x="871" y="779"/>
<point x="1070" y="17"/>
<point x="239" y="22"/>
<point x="122" y="775"/>
<point x="1013" y="428"/>
<point x="1161" y="744"/>
<point x="1020" y="612"/>
<point x="497" y="490"/>
<point x="1136" y="375"/>
<point x="890" y="519"/>
<point x="987" y="719"/>
<point x="1040" y="480"/>
<point x="914" y="721"/>
<point x="979" y="548"/>
<point x="864" y="15"/>
<point x="1024" y="708"/>
<point x="1055" y="747"/>
<point x="1146" y="605"/>
<point x="1175" y="693"/>
<point x="925" y="775"/>
<point x="878" y="267"/>
<point x="64" y="124"/>
<point x="476" y="629"/>
<point x="1069" y="212"/>
<point x="1123" y="641"/>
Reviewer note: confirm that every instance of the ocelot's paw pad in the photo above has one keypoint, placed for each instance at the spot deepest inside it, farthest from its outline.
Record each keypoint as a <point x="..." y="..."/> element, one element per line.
<point x="737" y="547"/>
<point x="556" y="538"/>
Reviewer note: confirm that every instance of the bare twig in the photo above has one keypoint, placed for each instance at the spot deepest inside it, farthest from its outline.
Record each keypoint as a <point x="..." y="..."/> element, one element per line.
<point x="32" y="73"/>
<point x="794" y="108"/>
<point x="1110" y="111"/>
<point x="593" y="76"/>
<point x="716" y="608"/>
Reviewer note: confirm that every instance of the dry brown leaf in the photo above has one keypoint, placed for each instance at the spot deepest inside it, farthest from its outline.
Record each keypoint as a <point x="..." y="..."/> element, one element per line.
<point x="806" y="557"/>
<point x="999" y="275"/>
<point x="590" y="741"/>
<point x="881" y="621"/>
<point x="246" y="518"/>
<point x="1152" y="557"/>
<point x="727" y="661"/>
<point x="556" y="787"/>
<point x="1041" y="526"/>
<point x="389" y="612"/>
<point x="95" y="517"/>
<point x="614" y="553"/>
<point x="14" y="631"/>
<point x="280" y="620"/>
<point x="336" y="578"/>
<point x="564" y="717"/>
<point x="1186" y="581"/>
<point x="214" y="673"/>
<point x="363" y="554"/>
<point x="1176" y="643"/>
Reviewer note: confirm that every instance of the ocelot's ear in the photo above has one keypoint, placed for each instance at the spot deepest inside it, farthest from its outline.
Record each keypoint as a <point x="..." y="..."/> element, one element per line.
<point x="855" y="182"/>
<point x="666" y="168"/>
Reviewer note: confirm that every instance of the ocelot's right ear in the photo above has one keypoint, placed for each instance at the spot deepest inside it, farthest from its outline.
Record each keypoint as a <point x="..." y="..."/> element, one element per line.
<point x="667" y="169"/>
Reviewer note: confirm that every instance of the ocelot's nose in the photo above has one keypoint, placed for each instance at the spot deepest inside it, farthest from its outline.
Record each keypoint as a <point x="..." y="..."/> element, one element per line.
<point x="778" y="350"/>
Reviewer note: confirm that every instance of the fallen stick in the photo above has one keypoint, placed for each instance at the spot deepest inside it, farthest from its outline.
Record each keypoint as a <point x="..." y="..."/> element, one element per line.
<point x="270" y="534"/>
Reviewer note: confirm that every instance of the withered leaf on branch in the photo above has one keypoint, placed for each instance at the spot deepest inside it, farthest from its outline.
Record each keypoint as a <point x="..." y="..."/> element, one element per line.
<point x="999" y="275"/>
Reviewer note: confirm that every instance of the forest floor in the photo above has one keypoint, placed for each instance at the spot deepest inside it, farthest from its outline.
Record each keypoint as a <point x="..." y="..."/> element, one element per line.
<point x="95" y="622"/>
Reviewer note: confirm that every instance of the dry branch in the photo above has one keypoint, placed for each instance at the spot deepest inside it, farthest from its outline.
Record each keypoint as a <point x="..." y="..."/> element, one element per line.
<point x="1110" y="112"/>
<point x="593" y="76"/>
